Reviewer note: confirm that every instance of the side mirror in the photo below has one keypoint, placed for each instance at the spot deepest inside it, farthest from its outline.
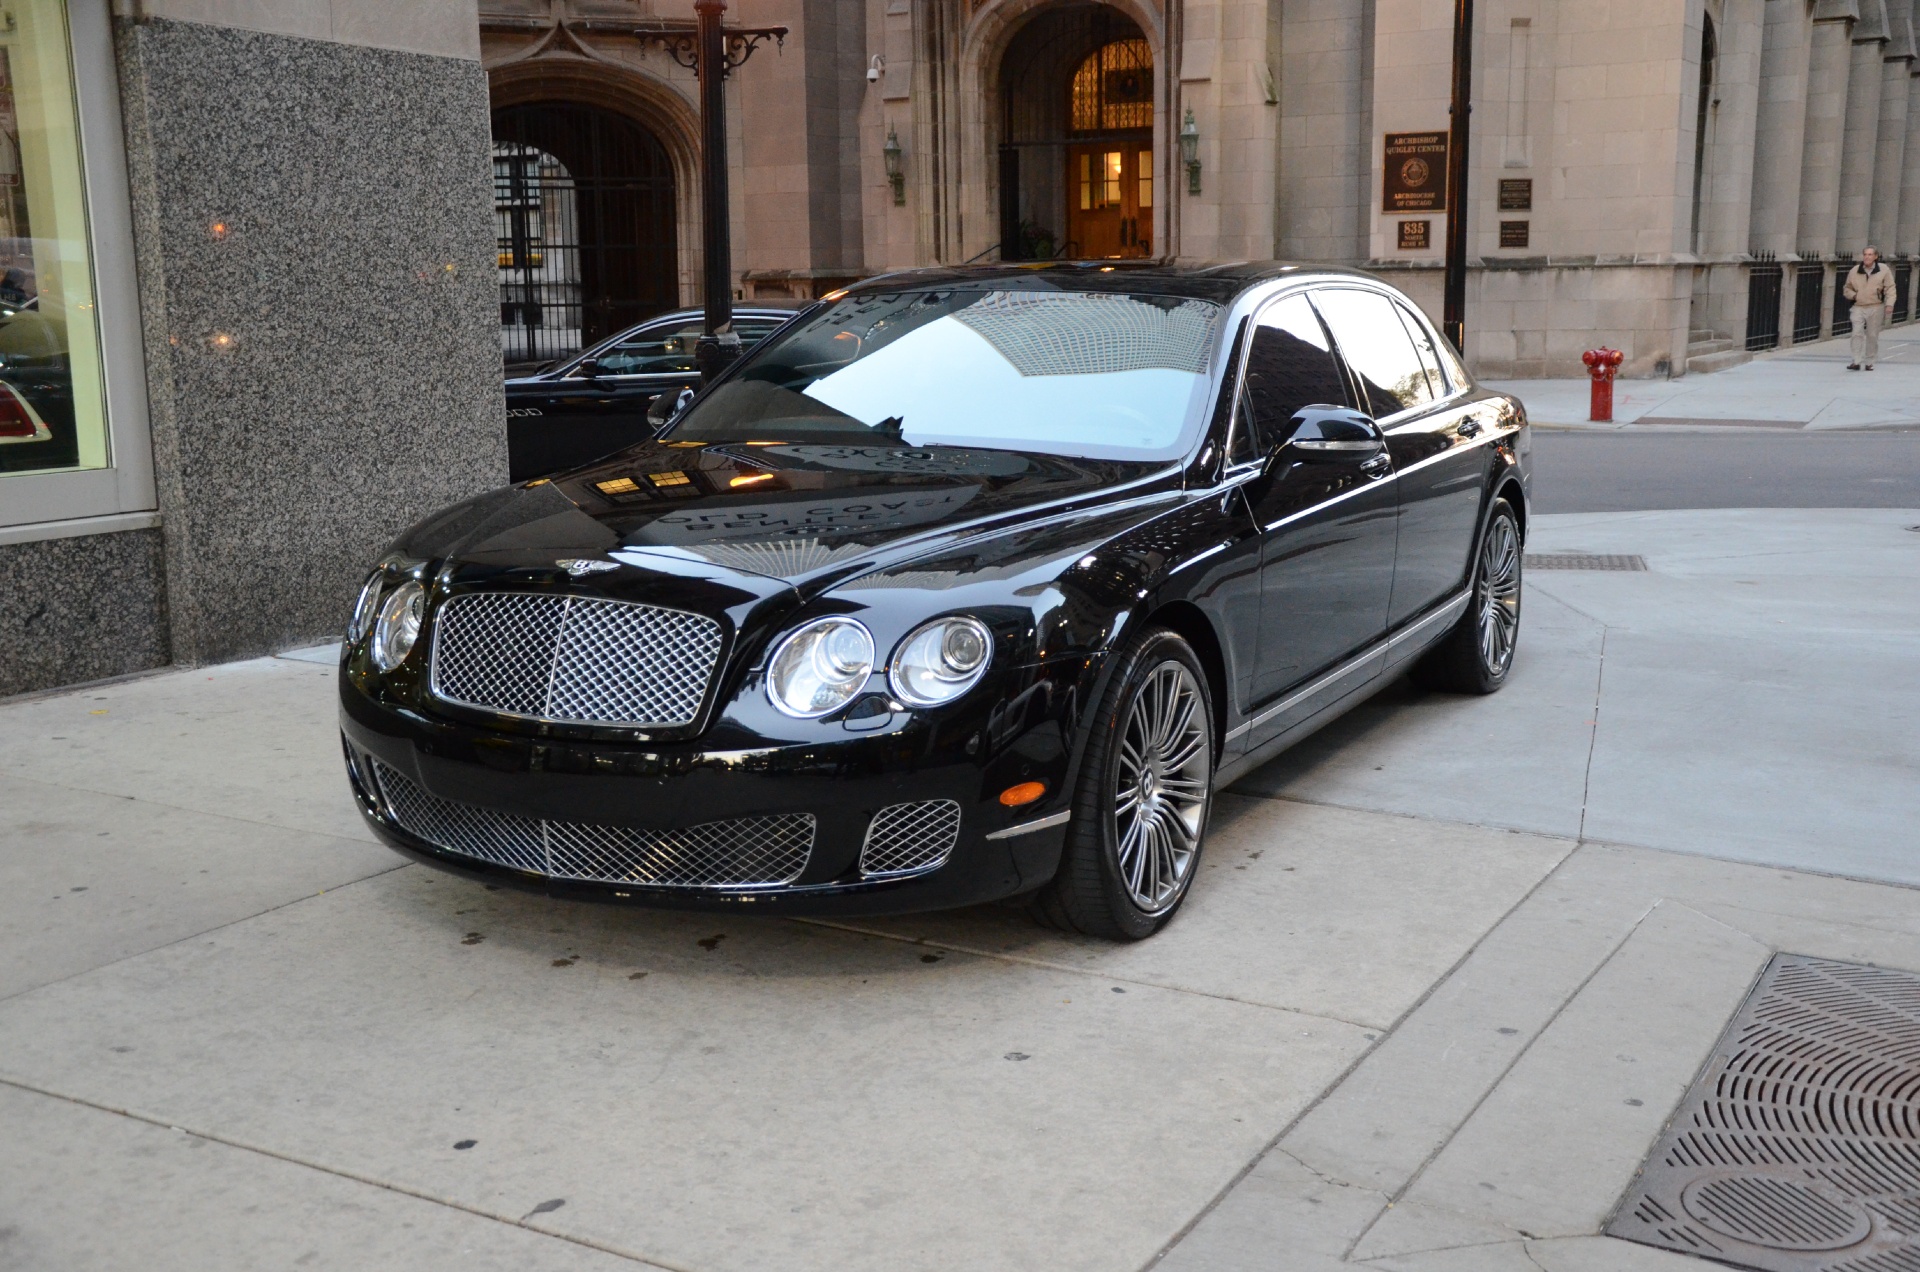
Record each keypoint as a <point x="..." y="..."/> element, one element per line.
<point x="1331" y="435"/>
<point x="591" y="369"/>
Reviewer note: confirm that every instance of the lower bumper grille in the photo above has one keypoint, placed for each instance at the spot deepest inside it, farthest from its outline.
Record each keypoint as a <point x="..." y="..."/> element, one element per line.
<point x="909" y="838"/>
<point x="746" y="852"/>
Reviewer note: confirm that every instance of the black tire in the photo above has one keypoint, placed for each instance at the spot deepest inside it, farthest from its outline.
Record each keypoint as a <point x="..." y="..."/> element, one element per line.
<point x="1477" y="655"/>
<point x="1128" y="864"/>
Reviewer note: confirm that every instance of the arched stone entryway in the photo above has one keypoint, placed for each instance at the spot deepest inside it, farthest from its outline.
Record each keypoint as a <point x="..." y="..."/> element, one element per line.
<point x="584" y="210"/>
<point x="1076" y="152"/>
<point x="596" y="202"/>
<point x="1062" y="85"/>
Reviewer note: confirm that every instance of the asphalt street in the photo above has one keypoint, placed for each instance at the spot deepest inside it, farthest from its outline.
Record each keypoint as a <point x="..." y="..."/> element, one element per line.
<point x="1745" y="468"/>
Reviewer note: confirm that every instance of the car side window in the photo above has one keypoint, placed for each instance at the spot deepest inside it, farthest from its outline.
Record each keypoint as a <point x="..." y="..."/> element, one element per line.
<point x="1290" y="364"/>
<point x="664" y="350"/>
<point x="1377" y="349"/>
<point x="653" y="351"/>
<point x="1423" y="345"/>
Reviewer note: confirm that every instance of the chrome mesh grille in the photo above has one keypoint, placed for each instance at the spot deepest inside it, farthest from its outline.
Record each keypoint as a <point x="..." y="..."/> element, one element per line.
<point x="574" y="659"/>
<point x="908" y="838"/>
<point x="746" y="852"/>
<point x="501" y="838"/>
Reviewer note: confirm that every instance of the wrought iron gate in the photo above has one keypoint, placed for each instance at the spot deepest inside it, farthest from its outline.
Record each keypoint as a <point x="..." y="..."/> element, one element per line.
<point x="1806" y="301"/>
<point x="1763" y="303"/>
<point x="1842" y="323"/>
<point x="1902" y="290"/>
<point x="584" y="214"/>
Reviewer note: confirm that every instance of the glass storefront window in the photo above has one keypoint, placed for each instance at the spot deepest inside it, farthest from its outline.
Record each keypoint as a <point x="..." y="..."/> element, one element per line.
<point x="52" y="402"/>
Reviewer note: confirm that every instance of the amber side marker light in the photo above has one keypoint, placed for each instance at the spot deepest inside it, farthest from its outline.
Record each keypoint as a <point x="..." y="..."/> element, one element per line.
<point x="748" y="481"/>
<point x="1025" y="793"/>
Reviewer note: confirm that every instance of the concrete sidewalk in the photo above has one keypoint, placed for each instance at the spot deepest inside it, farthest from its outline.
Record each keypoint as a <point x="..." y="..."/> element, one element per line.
<point x="1801" y="387"/>
<point x="1446" y="971"/>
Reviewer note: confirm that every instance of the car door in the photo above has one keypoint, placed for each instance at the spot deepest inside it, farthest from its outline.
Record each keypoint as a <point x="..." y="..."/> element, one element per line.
<point x="1434" y="440"/>
<point x="1327" y="528"/>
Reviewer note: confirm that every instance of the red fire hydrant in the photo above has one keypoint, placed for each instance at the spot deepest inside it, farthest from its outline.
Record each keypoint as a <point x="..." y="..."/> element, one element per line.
<point x="1602" y="364"/>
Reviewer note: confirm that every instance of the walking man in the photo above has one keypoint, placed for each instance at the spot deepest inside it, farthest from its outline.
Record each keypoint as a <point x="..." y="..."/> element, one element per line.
<point x="1870" y="288"/>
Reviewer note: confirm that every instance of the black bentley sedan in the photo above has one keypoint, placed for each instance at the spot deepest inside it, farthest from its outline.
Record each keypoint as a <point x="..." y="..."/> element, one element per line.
<point x="968" y="584"/>
<point x="573" y="412"/>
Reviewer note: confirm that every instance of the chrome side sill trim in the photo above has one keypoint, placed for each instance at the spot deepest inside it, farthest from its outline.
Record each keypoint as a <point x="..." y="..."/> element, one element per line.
<point x="1448" y="609"/>
<point x="1027" y="828"/>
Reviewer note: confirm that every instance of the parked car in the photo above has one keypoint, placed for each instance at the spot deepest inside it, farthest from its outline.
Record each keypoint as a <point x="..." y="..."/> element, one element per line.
<point x="575" y="411"/>
<point x="970" y="584"/>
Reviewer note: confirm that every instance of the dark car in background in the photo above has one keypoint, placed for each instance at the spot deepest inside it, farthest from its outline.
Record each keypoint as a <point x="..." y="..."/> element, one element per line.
<point x="576" y="410"/>
<point x="968" y="584"/>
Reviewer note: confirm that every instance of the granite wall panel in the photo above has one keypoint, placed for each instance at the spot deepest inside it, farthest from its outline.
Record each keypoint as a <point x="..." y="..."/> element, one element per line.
<point x="81" y="609"/>
<point x="313" y="228"/>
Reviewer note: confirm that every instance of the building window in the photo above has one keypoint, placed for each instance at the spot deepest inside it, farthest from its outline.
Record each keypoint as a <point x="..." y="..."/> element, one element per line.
<point x="52" y="399"/>
<point x="1113" y="89"/>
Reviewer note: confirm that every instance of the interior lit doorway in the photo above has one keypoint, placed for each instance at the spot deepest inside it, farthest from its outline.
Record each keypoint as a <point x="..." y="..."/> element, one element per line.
<point x="1077" y="175"/>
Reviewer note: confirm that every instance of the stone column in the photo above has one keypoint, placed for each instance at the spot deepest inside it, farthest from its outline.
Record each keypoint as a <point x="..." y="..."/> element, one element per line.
<point x="1827" y="67"/>
<point x="1891" y="150"/>
<point x="1906" y="235"/>
<point x="306" y="407"/>
<point x="1786" y="46"/>
<point x="1861" y="146"/>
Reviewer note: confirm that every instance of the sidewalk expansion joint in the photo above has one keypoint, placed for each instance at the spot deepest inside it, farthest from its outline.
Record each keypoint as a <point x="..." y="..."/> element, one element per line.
<point x="1507" y="1070"/>
<point x="1090" y="973"/>
<point x="339" y="1172"/>
<point x="194" y="936"/>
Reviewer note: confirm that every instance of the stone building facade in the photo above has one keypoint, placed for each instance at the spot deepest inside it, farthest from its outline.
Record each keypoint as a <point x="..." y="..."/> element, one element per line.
<point x="1680" y="178"/>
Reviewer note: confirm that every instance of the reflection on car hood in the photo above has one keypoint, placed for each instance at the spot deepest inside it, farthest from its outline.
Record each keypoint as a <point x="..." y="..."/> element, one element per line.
<point x="809" y="514"/>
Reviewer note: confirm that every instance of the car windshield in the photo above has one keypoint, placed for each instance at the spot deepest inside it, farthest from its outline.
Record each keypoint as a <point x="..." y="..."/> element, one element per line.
<point x="1082" y="374"/>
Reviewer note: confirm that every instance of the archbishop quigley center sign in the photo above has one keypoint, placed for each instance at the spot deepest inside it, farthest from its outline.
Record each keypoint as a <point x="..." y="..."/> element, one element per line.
<point x="1416" y="173"/>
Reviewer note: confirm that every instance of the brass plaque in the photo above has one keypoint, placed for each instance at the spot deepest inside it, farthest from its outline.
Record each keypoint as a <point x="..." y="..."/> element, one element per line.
<point x="1514" y="233"/>
<point x="1416" y="173"/>
<point x="1416" y="236"/>
<point x="1516" y="194"/>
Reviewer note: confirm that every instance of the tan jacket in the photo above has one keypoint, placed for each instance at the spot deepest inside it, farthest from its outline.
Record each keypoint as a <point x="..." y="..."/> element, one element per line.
<point x="1867" y="290"/>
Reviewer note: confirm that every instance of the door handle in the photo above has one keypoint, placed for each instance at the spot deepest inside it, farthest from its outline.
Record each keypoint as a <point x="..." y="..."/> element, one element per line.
<point x="1378" y="466"/>
<point x="1468" y="428"/>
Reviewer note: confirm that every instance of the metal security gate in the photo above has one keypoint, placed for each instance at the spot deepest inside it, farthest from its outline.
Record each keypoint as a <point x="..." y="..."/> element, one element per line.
<point x="584" y="215"/>
<point x="1902" y="291"/>
<point x="1763" y="303"/>
<point x="1841" y="322"/>
<point x="1806" y="301"/>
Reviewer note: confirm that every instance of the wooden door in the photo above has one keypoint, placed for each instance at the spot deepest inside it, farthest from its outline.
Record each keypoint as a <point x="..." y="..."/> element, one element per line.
<point x="1110" y="199"/>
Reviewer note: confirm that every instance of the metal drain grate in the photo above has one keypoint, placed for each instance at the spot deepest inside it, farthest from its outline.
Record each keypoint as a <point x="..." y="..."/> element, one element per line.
<point x="1584" y="561"/>
<point x="1798" y="1148"/>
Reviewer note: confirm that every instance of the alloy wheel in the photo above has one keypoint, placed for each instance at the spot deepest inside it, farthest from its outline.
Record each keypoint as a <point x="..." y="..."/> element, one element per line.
<point x="1161" y="787"/>
<point x="1499" y="594"/>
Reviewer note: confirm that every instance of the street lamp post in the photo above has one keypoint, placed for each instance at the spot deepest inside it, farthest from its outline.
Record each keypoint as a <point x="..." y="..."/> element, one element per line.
<point x="718" y="344"/>
<point x="1454" y="311"/>
<point x="713" y="51"/>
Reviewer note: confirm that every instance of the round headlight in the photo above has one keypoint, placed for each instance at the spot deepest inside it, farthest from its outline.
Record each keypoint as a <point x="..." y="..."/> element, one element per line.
<point x="399" y="625"/>
<point x="819" y="667"/>
<point x="940" y="661"/>
<point x="363" y="608"/>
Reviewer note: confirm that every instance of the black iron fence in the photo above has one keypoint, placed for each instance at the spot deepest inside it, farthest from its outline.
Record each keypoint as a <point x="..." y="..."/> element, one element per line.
<point x="1806" y="301"/>
<point x="1841" y="323"/>
<point x="1902" y="290"/>
<point x="1764" y="280"/>
<point x="584" y="217"/>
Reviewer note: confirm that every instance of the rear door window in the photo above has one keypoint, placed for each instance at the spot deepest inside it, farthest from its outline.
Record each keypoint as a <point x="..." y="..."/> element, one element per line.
<point x="1377" y="348"/>
<point x="1423" y="345"/>
<point x="1290" y="364"/>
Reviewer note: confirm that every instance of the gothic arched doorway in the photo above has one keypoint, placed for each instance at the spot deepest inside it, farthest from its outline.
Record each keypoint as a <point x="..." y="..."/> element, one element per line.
<point x="584" y="208"/>
<point x="1076" y="162"/>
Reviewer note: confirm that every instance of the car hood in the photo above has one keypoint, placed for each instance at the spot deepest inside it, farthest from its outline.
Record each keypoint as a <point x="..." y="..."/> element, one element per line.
<point x="805" y="516"/>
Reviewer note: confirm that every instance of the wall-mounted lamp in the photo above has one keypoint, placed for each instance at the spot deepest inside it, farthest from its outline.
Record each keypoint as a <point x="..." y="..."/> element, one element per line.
<point x="876" y="67"/>
<point x="895" y="175"/>
<point x="1190" y="151"/>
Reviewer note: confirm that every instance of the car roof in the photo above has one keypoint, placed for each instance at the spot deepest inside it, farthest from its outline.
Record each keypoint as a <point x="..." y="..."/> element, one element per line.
<point x="1220" y="282"/>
